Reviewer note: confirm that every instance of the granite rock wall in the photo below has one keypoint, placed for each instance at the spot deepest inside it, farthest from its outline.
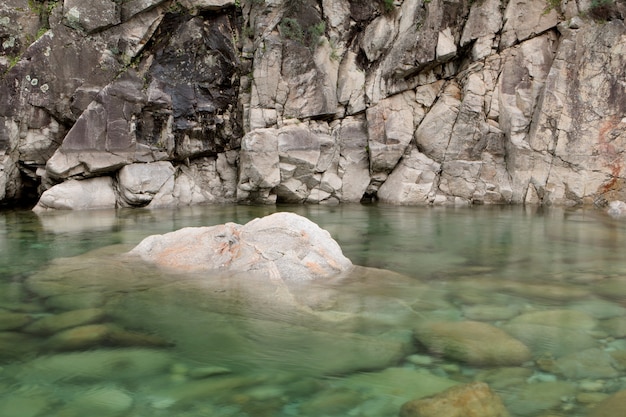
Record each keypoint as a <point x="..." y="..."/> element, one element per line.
<point x="164" y="103"/>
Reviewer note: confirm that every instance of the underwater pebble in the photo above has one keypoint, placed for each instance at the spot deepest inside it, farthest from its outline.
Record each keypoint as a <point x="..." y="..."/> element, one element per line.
<point x="423" y="360"/>
<point x="591" y="386"/>
<point x="541" y="377"/>
<point x="264" y="393"/>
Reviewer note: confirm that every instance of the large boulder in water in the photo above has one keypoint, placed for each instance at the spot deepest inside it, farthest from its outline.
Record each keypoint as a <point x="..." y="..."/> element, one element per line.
<point x="283" y="246"/>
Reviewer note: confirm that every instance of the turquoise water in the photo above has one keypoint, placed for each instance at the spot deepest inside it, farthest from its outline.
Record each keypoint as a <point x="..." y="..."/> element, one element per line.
<point x="83" y="332"/>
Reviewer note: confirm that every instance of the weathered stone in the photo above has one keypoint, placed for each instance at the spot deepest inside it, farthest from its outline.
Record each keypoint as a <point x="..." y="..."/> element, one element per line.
<point x="433" y="133"/>
<point x="518" y="103"/>
<point x="283" y="245"/>
<point x="401" y="384"/>
<point x="472" y="342"/>
<point x="138" y="183"/>
<point x="97" y="335"/>
<point x="354" y="161"/>
<point x="566" y="319"/>
<point x="57" y="322"/>
<point x="260" y="164"/>
<point x="92" y="16"/>
<point x="413" y="181"/>
<point x="550" y="340"/>
<point x="390" y="130"/>
<point x="13" y="321"/>
<point x="350" y="87"/>
<point x="587" y="364"/>
<point x="93" y="193"/>
<point x="599" y="309"/>
<point x="610" y="407"/>
<point x="469" y="400"/>
<point x="612" y="288"/>
<point x="524" y="19"/>
<point x="96" y="365"/>
<point x="616" y="327"/>
<point x="132" y="7"/>
<point x="531" y="399"/>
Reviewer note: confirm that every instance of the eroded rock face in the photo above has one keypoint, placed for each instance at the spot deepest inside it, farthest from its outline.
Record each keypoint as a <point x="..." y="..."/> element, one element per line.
<point x="281" y="246"/>
<point x="317" y="101"/>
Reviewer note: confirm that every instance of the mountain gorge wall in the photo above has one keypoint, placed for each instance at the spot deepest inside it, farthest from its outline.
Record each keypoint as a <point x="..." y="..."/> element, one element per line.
<point x="134" y="103"/>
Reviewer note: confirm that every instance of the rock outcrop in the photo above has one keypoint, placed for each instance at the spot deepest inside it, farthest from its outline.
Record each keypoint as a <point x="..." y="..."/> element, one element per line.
<point x="248" y="291"/>
<point x="408" y="102"/>
<point x="280" y="247"/>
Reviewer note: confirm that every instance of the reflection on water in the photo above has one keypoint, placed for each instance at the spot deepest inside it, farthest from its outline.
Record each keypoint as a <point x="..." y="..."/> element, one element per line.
<point x="532" y="302"/>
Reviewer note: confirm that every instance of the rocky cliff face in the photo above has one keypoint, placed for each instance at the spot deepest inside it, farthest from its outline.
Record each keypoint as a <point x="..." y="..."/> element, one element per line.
<point x="167" y="103"/>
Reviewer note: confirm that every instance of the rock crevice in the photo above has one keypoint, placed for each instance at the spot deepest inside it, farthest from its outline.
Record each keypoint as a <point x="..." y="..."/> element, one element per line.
<point x="314" y="101"/>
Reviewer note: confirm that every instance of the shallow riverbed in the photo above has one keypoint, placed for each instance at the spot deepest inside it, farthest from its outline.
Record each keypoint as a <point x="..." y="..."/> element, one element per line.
<point x="84" y="332"/>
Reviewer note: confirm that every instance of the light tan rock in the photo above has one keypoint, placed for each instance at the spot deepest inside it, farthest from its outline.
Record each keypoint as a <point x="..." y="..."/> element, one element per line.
<point x="93" y="193"/>
<point x="283" y="246"/>
<point x="469" y="400"/>
<point x="610" y="407"/>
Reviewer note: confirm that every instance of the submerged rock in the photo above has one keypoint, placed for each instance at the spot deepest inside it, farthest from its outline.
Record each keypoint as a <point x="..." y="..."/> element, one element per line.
<point x="12" y="321"/>
<point x="550" y="340"/>
<point x="611" y="407"/>
<point x="531" y="399"/>
<point x="469" y="400"/>
<point x="95" y="335"/>
<point x="282" y="246"/>
<point x="472" y="342"/>
<point x="96" y="365"/>
<point x="57" y="322"/>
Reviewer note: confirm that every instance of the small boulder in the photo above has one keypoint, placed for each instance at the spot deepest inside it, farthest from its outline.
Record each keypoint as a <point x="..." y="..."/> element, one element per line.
<point x="613" y="406"/>
<point x="282" y="245"/>
<point x="469" y="400"/>
<point x="92" y="193"/>
<point x="472" y="342"/>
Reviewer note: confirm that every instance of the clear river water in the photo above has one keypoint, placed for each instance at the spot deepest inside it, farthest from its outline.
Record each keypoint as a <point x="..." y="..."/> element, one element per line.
<point x="85" y="333"/>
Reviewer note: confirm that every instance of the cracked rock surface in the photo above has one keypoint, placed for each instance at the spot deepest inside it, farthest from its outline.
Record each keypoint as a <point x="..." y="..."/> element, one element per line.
<point x="312" y="101"/>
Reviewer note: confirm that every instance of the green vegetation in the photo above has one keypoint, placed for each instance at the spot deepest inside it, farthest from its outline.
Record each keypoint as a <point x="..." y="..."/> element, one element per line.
<point x="388" y="6"/>
<point x="315" y="32"/>
<point x="43" y="8"/>
<point x="291" y="29"/>
<point x="604" y="10"/>
<point x="552" y="5"/>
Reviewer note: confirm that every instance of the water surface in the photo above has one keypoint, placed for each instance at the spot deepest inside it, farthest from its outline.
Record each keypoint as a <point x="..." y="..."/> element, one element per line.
<point x="127" y="340"/>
